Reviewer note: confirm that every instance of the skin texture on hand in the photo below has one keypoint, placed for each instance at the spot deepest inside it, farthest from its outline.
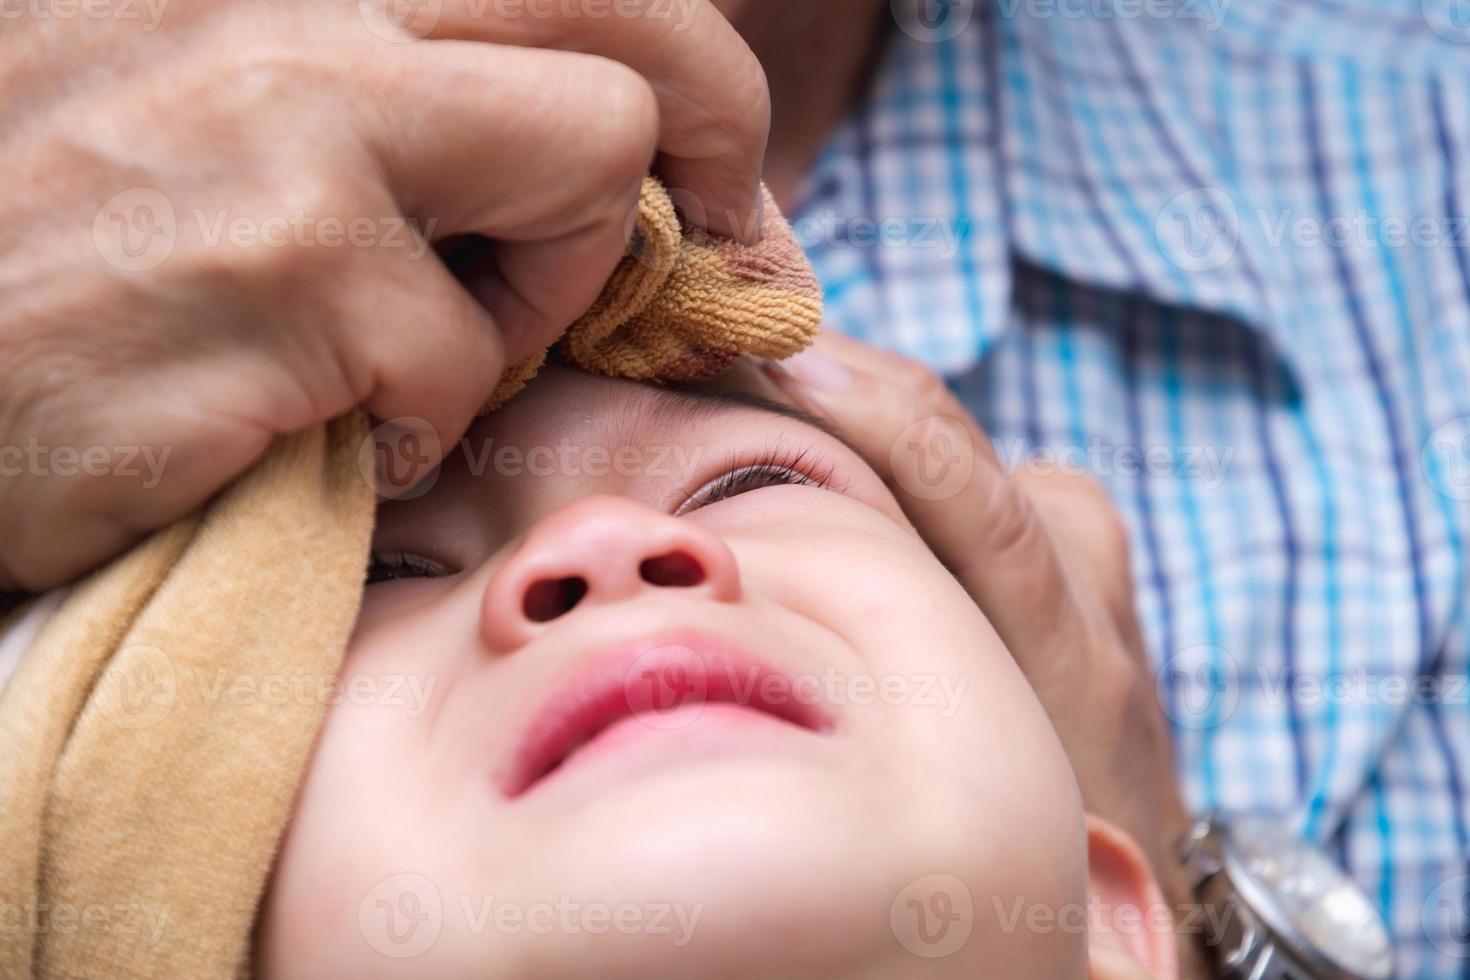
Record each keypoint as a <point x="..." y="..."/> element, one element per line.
<point x="217" y="226"/>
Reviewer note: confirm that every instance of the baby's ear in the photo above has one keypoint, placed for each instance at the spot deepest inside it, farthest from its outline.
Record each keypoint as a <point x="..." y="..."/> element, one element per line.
<point x="1130" y="927"/>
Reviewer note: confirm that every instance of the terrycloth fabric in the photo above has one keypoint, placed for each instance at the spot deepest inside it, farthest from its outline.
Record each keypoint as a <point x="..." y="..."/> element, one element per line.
<point x="684" y="304"/>
<point x="152" y="740"/>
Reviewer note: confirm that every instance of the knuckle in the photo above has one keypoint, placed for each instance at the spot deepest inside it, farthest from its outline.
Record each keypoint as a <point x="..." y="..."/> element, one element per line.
<point x="1109" y="548"/>
<point x="1120" y="676"/>
<point x="1108" y="530"/>
<point x="1119" y="608"/>
<point x="753" y="99"/>
<point x="621" y="137"/>
<point x="1014" y="527"/>
<point x="926" y="388"/>
<point x="733" y="116"/>
<point x="259" y="83"/>
<point x="309" y="191"/>
<point x="1121" y="690"/>
<point x="1082" y="510"/>
<point x="277" y="240"/>
<point x="252" y="271"/>
<point x="911" y="372"/>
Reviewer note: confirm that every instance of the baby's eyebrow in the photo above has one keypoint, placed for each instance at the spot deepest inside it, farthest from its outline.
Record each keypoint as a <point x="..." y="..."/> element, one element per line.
<point x="697" y="403"/>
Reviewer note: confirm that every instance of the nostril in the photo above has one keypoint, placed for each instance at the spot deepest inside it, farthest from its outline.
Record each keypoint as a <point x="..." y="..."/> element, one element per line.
<point x="552" y="597"/>
<point x="677" y="569"/>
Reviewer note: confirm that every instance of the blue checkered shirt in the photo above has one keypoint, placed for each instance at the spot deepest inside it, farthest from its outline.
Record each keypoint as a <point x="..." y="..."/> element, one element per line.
<point x="1217" y="255"/>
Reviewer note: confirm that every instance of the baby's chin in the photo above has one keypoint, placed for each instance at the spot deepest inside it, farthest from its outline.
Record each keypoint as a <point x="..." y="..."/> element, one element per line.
<point x="774" y="870"/>
<point x="725" y="832"/>
<point x="740" y="864"/>
<point x="785" y="866"/>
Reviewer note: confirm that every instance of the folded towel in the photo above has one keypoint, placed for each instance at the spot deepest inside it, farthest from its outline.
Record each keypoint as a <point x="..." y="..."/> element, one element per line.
<point x="146" y="771"/>
<point x="684" y="304"/>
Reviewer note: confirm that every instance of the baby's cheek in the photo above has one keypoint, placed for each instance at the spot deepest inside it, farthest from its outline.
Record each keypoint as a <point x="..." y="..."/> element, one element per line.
<point x="386" y="603"/>
<point x="413" y="627"/>
<point x="884" y="585"/>
<point x="294" y="924"/>
<point x="364" y="827"/>
<point x="831" y="552"/>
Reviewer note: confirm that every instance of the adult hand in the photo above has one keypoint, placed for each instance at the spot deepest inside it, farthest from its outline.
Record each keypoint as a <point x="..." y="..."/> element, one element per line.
<point x="216" y="220"/>
<point x="1044" y="555"/>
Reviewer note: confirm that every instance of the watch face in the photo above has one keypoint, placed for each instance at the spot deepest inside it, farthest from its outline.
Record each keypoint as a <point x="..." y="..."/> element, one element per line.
<point x="1322" y="908"/>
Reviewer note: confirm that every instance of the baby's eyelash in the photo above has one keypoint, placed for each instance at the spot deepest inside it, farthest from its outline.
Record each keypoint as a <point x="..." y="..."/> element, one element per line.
<point x="777" y="467"/>
<point x="389" y="566"/>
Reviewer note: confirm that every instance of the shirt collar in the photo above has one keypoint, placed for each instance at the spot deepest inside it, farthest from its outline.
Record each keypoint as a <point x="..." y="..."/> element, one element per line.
<point x="1059" y="141"/>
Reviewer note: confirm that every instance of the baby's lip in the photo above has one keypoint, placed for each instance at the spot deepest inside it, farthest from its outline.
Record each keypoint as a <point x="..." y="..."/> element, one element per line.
<point x="662" y="681"/>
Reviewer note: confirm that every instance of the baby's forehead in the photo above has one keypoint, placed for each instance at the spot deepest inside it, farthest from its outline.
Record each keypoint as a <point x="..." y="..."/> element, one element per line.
<point x="562" y="398"/>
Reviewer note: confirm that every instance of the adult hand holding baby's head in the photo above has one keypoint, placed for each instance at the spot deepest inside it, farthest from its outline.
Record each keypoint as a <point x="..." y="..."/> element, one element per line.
<point x="218" y="221"/>
<point x="1045" y="555"/>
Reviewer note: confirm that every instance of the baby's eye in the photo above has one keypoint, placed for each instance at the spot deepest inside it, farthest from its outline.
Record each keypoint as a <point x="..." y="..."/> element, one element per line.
<point x="772" y="471"/>
<point x="387" y="566"/>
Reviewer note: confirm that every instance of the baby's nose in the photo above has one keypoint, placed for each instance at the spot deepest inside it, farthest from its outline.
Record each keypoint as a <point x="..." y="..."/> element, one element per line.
<point x="600" y="550"/>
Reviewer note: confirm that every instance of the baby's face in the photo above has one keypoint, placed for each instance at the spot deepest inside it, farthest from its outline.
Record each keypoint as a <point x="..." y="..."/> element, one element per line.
<point x="672" y="690"/>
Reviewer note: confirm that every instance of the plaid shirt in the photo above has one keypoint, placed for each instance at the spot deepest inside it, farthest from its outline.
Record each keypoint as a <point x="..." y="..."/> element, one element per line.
<point x="1217" y="255"/>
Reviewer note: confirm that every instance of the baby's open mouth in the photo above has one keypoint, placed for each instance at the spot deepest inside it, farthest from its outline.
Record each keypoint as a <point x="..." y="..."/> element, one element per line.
<point x="684" y="693"/>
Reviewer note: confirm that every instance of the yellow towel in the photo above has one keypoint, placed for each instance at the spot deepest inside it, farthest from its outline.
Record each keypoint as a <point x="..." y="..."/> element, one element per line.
<point x="152" y="739"/>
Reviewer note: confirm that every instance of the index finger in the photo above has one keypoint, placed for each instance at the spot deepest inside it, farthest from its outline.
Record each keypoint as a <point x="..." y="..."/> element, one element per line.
<point x="714" y="104"/>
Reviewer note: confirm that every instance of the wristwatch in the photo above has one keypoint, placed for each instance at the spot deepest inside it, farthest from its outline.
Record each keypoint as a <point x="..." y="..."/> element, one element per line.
<point x="1272" y="906"/>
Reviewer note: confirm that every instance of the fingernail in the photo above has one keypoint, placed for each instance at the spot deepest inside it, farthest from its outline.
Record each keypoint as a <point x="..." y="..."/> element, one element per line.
<point x="401" y="458"/>
<point x="817" y="372"/>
